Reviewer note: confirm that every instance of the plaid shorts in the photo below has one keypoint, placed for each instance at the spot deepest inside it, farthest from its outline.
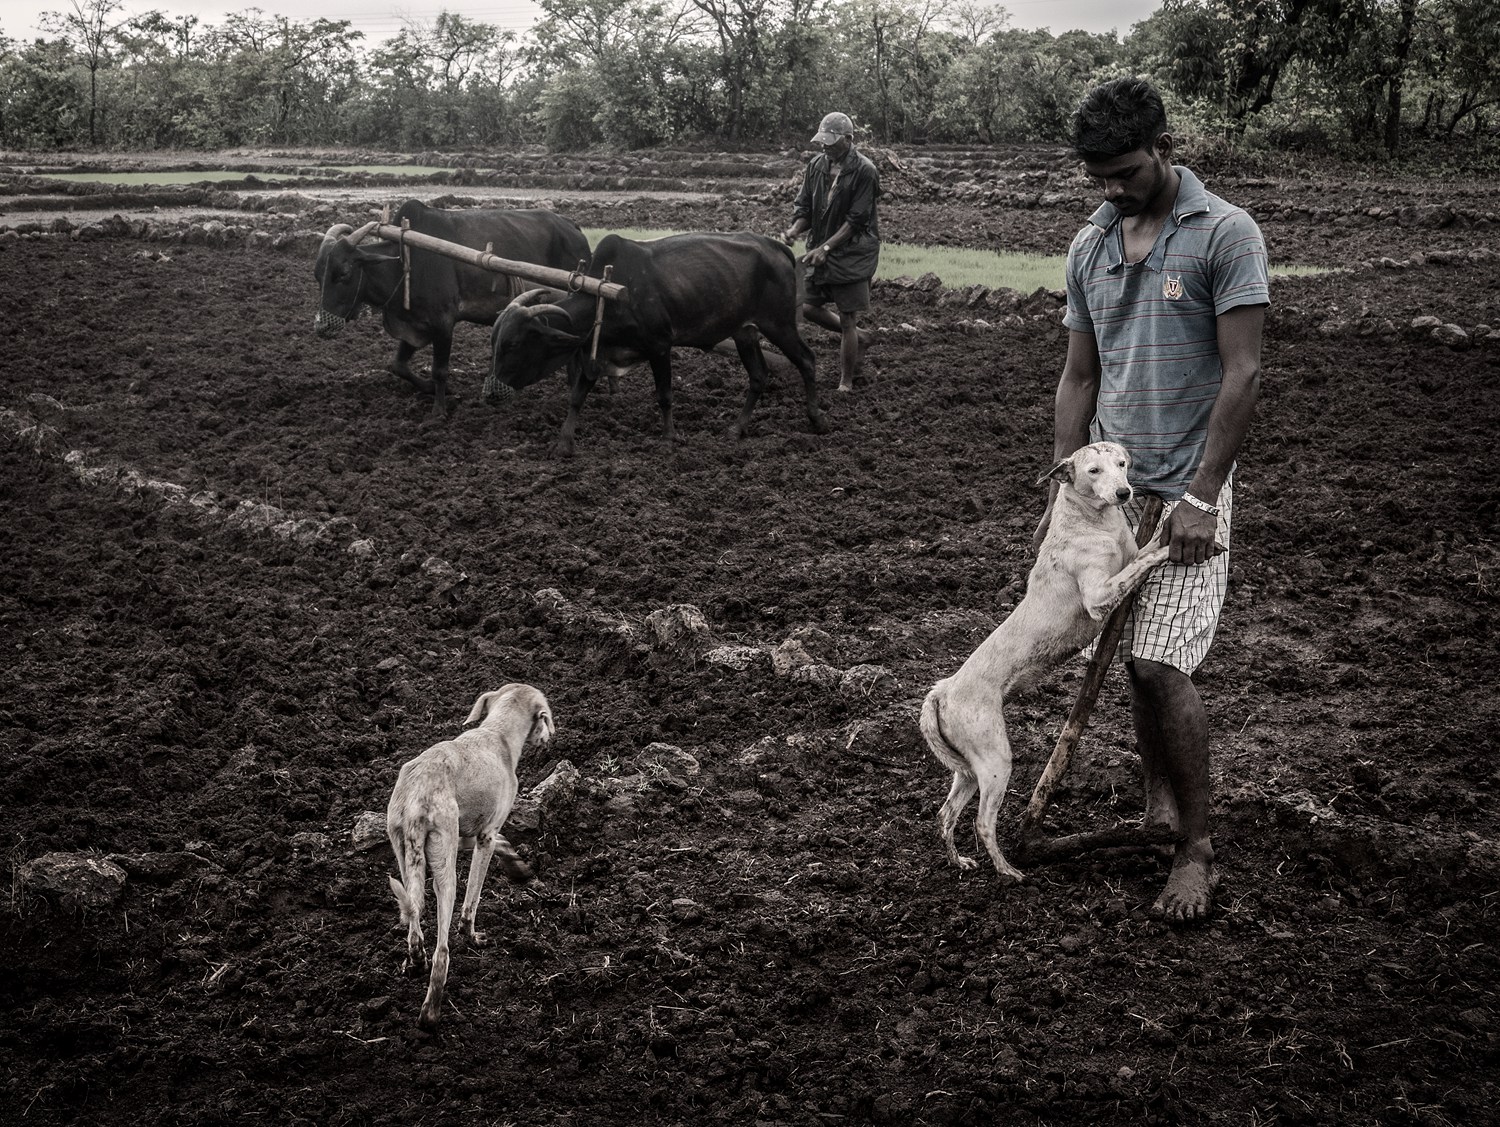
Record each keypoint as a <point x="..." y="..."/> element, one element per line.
<point x="1177" y="608"/>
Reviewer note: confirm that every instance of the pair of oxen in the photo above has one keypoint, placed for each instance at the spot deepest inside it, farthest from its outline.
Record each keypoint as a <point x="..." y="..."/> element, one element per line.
<point x="697" y="290"/>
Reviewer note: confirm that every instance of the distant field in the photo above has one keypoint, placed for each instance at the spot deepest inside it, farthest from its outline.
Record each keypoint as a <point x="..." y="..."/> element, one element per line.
<point x="168" y="179"/>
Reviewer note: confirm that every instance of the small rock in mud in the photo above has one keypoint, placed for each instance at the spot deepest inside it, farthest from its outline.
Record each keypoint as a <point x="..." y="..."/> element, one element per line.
<point x="368" y="832"/>
<point x="825" y="676"/>
<point x="790" y="656"/>
<point x="1452" y="336"/>
<point x="547" y="798"/>
<point x="866" y="681"/>
<point x="681" y="628"/>
<point x="658" y="758"/>
<point x="77" y="882"/>
<point x="737" y="658"/>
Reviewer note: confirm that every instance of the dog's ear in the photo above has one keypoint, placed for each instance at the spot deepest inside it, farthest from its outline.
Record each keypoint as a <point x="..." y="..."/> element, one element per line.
<point x="541" y="725"/>
<point x="1063" y="471"/>
<point x="481" y="707"/>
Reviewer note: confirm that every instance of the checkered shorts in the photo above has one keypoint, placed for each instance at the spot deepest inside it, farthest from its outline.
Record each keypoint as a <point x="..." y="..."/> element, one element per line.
<point x="1177" y="608"/>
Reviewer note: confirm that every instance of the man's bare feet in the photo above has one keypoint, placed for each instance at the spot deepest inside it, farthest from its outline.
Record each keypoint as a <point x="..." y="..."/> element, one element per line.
<point x="1189" y="894"/>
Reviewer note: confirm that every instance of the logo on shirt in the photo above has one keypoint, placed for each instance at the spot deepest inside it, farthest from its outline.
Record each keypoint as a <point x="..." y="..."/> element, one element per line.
<point x="1172" y="288"/>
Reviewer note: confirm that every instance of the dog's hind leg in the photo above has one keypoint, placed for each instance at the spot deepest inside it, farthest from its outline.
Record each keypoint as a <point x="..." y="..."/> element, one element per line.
<point x="410" y="847"/>
<point x="479" y="866"/>
<point x="964" y="788"/>
<point x="993" y="777"/>
<point x="443" y="854"/>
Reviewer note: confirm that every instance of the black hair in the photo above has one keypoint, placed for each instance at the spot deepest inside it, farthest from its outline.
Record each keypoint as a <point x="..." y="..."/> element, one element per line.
<point x="1118" y="117"/>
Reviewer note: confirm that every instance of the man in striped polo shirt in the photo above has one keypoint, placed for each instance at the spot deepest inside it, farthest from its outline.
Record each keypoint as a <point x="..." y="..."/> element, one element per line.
<point x="1167" y="296"/>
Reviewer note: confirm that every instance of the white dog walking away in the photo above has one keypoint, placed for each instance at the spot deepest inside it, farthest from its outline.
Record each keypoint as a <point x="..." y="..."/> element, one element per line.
<point x="1086" y="567"/>
<point x="459" y="792"/>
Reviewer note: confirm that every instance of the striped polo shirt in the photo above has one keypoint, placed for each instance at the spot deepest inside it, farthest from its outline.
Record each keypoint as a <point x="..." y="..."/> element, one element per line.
<point x="1154" y="323"/>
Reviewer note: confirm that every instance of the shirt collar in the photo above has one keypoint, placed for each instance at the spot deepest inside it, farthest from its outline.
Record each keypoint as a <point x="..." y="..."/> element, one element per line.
<point x="1192" y="199"/>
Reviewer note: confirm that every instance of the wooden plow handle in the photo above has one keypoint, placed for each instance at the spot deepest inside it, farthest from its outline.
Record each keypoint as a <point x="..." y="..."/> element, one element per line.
<point x="1088" y="692"/>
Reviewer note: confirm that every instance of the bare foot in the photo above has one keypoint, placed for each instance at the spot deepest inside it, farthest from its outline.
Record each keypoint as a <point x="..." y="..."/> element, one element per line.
<point x="1189" y="894"/>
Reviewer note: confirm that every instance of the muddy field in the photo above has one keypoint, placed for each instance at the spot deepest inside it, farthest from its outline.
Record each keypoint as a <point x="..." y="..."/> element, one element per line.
<point x="248" y="579"/>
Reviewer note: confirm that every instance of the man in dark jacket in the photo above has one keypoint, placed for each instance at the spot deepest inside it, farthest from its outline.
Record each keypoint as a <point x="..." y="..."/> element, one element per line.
<point x="836" y="207"/>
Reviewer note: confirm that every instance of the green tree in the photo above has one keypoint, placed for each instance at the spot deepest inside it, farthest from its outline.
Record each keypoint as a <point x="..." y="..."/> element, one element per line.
<point x="89" y="29"/>
<point x="1459" y="62"/>
<point x="282" y="80"/>
<point x="617" y="71"/>
<point x="41" y="106"/>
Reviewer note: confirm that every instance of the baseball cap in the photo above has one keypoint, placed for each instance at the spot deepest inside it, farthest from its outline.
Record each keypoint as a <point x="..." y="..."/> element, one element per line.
<point x="832" y="127"/>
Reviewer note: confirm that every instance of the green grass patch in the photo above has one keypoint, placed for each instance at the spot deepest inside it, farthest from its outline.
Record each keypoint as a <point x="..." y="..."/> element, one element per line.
<point x="415" y="170"/>
<point x="959" y="267"/>
<point x="956" y="266"/>
<point x="1291" y="271"/>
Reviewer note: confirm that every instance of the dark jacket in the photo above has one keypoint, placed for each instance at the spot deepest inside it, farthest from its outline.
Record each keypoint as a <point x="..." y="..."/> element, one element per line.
<point x="853" y="201"/>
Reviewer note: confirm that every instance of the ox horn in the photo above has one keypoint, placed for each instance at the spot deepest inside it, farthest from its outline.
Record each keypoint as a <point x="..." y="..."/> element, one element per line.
<point x="527" y="302"/>
<point x="363" y="233"/>
<point x="333" y="233"/>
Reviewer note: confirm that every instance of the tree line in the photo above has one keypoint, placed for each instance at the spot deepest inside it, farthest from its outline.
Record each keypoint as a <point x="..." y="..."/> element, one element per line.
<point x="1353" y="76"/>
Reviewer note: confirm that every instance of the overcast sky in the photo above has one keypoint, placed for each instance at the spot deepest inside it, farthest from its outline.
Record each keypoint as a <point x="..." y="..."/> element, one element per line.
<point x="381" y="18"/>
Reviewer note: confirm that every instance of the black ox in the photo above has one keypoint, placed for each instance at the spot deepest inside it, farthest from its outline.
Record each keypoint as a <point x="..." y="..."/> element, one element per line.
<point x="444" y="291"/>
<point x="685" y="291"/>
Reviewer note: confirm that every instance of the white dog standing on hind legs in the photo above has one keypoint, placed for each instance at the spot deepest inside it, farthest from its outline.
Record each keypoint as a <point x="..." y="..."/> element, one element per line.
<point x="1086" y="567"/>
<point x="459" y="792"/>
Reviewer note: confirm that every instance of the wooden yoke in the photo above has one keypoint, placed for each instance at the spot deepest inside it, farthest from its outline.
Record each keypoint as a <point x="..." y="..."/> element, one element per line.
<point x="540" y="275"/>
<point x="1088" y="693"/>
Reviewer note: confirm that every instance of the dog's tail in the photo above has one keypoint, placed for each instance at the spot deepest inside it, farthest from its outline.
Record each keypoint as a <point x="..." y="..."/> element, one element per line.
<point x="412" y="861"/>
<point x="931" y="723"/>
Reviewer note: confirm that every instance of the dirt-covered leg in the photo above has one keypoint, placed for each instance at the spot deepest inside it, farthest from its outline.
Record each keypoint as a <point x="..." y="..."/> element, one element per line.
<point x="400" y="365"/>
<point x="959" y="794"/>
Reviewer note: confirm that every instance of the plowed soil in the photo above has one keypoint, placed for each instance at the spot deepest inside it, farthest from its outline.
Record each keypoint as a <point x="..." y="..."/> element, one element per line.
<point x="765" y="932"/>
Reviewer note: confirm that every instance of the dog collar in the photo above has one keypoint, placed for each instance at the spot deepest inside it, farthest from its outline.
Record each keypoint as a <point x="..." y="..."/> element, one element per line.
<point x="1201" y="506"/>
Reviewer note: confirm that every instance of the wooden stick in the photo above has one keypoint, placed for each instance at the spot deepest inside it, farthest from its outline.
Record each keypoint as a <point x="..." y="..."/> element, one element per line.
<point x="599" y="317"/>
<point x="1126" y="835"/>
<point x="1088" y="692"/>
<point x="406" y="261"/>
<point x="541" y="275"/>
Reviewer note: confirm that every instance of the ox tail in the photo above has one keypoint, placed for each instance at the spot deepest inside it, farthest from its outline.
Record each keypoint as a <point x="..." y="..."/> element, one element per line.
<point x="931" y="723"/>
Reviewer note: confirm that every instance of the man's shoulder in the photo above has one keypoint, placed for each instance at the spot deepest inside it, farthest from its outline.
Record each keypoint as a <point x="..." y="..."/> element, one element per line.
<point x="1088" y="238"/>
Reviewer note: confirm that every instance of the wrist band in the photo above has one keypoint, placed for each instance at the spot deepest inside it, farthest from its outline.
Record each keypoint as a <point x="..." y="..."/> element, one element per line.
<point x="1200" y="506"/>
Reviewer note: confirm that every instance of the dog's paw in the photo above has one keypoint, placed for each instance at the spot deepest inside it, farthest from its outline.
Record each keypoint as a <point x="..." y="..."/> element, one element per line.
<point x="479" y="938"/>
<point x="1101" y="610"/>
<point x="966" y="864"/>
